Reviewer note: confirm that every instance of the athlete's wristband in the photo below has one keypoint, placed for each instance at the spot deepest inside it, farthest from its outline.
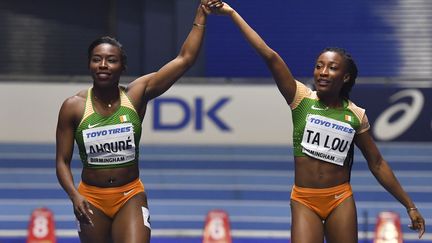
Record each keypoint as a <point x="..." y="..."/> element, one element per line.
<point x="199" y="26"/>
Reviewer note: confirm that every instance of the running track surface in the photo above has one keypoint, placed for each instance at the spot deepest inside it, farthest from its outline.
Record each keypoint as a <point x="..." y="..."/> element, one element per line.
<point x="251" y="183"/>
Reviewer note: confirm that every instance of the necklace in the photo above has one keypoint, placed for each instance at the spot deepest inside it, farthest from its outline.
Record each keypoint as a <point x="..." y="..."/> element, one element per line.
<point x="109" y="104"/>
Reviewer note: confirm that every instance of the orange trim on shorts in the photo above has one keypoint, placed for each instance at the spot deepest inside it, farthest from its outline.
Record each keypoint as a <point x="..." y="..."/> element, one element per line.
<point x="110" y="200"/>
<point x="322" y="201"/>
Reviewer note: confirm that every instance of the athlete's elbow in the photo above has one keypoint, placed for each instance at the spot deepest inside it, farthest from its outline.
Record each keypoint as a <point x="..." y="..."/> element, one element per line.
<point x="186" y="59"/>
<point x="375" y="165"/>
<point x="271" y="56"/>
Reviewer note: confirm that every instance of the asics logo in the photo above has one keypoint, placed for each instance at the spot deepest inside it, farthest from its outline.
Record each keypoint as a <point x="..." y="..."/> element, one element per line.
<point x="91" y="126"/>
<point x="318" y="108"/>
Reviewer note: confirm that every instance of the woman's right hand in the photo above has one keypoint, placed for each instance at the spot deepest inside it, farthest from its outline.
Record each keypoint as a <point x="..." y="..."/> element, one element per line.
<point x="82" y="209"/>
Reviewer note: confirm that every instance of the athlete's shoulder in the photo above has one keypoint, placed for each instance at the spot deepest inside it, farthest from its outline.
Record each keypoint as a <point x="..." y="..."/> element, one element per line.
<point x="76" y="99"/>
<point x="73" y="106"/>
<point x="136" y="89"/>
<point x="354" y="107"/>
<point x="360" y="113"/>
<point x="139" y="82"/>
<point x="302" y="91"/>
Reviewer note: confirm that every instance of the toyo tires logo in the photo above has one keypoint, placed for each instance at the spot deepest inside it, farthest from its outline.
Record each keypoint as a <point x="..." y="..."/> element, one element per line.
<point x="386" y="127"/>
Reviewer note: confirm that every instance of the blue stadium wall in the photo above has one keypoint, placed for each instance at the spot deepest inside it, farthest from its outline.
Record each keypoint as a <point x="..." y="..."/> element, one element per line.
<point x="388" y="38"/>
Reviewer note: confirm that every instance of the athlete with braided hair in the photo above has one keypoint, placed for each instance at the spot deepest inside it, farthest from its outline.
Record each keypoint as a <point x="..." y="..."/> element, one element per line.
<point x="327" y="125"/>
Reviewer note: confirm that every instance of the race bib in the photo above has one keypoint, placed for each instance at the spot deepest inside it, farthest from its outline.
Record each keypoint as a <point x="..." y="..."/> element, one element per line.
<point x="327" y="139"/>
<point x="110" y="145"/>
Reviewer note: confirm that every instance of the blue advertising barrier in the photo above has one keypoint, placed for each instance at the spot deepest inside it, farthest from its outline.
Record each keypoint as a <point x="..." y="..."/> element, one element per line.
<point x="397" y="113"/>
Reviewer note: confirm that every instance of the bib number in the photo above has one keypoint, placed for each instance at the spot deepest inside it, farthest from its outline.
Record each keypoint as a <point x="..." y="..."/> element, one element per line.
<point x="109" y="145"/>
<point x="327" y="139"/>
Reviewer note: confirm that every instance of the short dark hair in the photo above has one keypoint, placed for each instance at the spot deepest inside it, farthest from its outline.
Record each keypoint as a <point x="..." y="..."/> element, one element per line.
<point x="111" y="41"/>
<point x="351" y="69"/>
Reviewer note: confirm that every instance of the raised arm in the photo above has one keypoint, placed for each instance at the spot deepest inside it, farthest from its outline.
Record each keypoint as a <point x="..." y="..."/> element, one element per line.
<point x="151" y="86"/>
<point x="281" y="73"/>
<point x="385" y="176"/>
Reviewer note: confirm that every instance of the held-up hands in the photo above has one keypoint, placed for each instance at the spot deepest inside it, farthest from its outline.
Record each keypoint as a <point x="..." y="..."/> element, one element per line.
<point x="218" y="7"/>
<point x="215" y="7"/>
